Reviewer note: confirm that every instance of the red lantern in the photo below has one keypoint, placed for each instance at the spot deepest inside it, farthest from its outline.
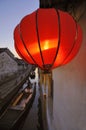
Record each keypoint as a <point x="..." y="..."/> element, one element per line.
<point x="48" y="38"/>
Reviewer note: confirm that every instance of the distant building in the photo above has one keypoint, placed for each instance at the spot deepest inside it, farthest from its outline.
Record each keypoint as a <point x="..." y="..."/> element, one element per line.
<point x="9" y="64"/>
<point x="21" y="64"/>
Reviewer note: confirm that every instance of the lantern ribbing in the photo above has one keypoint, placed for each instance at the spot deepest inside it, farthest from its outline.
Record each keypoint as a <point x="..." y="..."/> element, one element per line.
<point x="48" y="38"/>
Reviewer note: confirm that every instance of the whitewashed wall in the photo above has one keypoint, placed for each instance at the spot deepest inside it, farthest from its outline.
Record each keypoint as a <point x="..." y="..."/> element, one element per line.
<point x="69" y="103"/>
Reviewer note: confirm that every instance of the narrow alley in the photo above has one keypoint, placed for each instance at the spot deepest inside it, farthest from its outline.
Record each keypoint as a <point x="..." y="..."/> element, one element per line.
<point x="31" y="121"/>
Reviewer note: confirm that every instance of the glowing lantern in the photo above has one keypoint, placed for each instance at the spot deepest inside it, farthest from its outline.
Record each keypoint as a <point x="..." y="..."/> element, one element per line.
<point x="48" y="38"/>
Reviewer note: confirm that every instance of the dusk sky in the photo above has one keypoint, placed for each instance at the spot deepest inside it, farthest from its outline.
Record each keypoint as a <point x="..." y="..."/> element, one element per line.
<point x="11" y="13"/>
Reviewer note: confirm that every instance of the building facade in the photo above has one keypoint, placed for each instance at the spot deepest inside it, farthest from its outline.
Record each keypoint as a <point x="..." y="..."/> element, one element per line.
<point x="10" y="65"/>
<point x="7" y="62"/>
<point x="63" y="91"/>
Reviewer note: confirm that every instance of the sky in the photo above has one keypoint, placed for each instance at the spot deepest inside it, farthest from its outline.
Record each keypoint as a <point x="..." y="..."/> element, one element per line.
<point x="11" y="13"/>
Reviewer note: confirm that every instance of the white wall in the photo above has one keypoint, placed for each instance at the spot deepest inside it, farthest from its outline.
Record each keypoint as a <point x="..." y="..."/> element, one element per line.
<point x="69" y="103"/>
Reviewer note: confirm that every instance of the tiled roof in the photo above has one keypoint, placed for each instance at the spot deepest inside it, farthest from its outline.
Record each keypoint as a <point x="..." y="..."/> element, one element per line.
<point x="7" y="51"/>
<point x="3" y="49"/>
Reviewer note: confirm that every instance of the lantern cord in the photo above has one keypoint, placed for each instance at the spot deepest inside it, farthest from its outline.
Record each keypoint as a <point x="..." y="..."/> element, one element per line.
<point x="73" y="44"/>
<point x="58" y="45"/>
<point x="39" y="38"/>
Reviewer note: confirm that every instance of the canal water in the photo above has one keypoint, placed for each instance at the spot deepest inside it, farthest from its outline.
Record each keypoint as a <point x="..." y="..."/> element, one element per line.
<point x="31" y="120"/>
